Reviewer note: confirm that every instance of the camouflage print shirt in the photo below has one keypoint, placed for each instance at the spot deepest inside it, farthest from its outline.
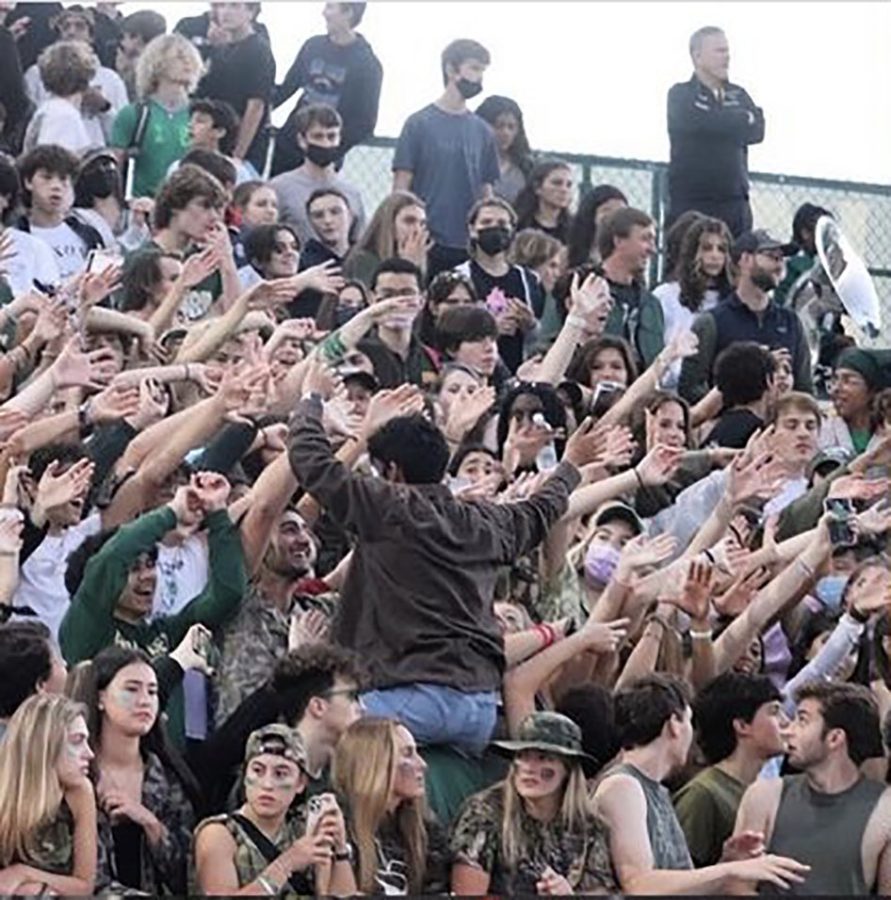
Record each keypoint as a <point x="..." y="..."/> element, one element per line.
<point x="163" y="869"/>
<point x="52" y="849"/>
<point x="582" y="856"/>
<point x="249" y="861"/>
<point x="252" y="644"/>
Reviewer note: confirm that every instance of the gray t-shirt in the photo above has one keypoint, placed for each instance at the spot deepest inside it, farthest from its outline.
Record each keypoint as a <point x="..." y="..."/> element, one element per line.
<point x="293" y="189"/>
<point x="451" y="156"/>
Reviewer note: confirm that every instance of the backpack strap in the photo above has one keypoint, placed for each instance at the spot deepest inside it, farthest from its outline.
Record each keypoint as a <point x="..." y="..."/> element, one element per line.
<point x="267" y="849"/>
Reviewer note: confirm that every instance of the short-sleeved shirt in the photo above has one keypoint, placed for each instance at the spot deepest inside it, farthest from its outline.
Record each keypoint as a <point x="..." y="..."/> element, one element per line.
<point x="581" y="856"/>
<point x="451" y="157"/>
<point x="69" y="248"/>
<point x="166" y="140"/>
<point x="293" y="189"/>
<point x="706" y="807"/>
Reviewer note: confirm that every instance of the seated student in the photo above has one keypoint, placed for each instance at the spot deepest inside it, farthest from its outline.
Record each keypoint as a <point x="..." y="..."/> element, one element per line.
<point x="378" y="775"/>
<point x="66" y="68"/>
<point x="332" y="220"/>
<point x="29" y="664"/>
<point x="738" y="720"/>
<point x="318" y="135"/>
<point x="260" y="849"/>
<point x="544" y="202"/>
<point x="188" y="216"/>
<point x="744" y="375"/>
<point x="48" y="813"/>
<point x="511" y="293"/>
<point x="47" y="175"/>
<point x="447" y="289"/>
<point x="534" y="832"/>
<point x="154" y="129"/>
<point x="32" y="259"/>
<point x="594" y="208"/>
<point x="145" y="793"/>
<point x="397" y="228"/>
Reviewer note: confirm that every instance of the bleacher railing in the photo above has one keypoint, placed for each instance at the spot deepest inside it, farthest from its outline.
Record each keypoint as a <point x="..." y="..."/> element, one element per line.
<point x="864" y="210"/>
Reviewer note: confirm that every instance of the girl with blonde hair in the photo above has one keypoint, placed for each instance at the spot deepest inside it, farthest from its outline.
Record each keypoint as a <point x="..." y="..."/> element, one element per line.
<point x="535" y="832"/>
<point x="378" y="774"/>
<point x="397" y="228"/>
<point x="48" y="809"/>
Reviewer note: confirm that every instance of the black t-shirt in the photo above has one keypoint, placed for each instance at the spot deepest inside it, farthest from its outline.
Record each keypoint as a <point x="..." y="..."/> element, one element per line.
<point x="518" y="283"/>
<point x="242" y="71"/>
<point x="733" y="429"/>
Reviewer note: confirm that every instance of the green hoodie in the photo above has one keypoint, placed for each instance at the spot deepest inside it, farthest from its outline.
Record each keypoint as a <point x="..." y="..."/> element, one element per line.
<point x="90" y="623"/>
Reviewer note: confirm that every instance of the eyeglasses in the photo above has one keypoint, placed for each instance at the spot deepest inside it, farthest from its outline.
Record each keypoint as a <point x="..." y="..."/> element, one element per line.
<point x="352" y="694"/>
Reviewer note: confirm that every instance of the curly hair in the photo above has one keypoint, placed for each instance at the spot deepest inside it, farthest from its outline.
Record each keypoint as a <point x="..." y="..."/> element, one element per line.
<point x="67" y="67"/>
<point x="693" y="281"/>
<point x="158" y="55"/>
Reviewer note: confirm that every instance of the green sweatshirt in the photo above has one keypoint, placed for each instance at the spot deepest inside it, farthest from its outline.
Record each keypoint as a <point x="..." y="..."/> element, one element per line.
<point x="90" y="623"/>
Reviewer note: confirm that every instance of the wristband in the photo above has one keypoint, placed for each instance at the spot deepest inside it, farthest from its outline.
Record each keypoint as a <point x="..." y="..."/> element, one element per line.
<point x="700" y="635"/>
<point x="345" y="855"/>
<point x="576" y="322"/>
<point x="267" y="885"/>
<point x="639" y="479"/>
<point x="546" y="633"/>
<point x="333" y="348"/>
<point x="83" y="412"/>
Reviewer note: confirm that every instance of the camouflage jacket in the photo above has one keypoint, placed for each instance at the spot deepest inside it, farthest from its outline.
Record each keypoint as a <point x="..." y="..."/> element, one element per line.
<point x="582" y="857"/>
<point x="163" y="868"/>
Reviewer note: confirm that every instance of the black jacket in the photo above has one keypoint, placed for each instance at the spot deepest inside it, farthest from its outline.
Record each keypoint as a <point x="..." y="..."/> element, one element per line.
<point x="709" y="140"/>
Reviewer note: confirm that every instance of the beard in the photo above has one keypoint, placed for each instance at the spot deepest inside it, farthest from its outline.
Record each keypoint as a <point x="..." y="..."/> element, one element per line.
<point x="764" y="280"/>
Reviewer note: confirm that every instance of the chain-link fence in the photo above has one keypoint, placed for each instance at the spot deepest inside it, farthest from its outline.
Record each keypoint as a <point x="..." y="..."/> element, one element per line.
<point x="863" y="210"/>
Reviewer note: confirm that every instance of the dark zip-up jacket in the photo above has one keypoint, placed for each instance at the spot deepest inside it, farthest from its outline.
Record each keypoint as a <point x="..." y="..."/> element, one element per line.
<point x="709" y="140"/>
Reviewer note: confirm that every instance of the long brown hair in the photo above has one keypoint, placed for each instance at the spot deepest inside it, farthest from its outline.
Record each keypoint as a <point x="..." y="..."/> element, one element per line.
<point x="363" y="773"/>
<point x="692" y="280"/>
<point x="380" y="235"/>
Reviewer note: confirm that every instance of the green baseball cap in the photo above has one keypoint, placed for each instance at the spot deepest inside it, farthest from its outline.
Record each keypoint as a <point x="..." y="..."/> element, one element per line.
<point x="278" y="740"/>
<point x="548" y="732"/>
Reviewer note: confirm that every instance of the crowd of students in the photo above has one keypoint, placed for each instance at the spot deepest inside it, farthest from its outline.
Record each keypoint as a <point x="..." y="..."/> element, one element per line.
<point x="421" y="549"/>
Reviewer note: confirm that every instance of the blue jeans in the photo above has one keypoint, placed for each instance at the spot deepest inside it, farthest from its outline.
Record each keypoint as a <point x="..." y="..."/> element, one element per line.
<point x="437" y="714"/>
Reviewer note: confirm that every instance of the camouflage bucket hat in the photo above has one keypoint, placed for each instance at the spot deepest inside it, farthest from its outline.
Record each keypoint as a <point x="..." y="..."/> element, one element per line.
<point x="278" y="740"/>
<point x="548" y="732"/>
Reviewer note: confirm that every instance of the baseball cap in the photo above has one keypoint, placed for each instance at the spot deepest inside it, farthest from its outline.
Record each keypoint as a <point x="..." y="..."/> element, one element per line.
<point x="361" y="377"/>
<point x="758" y="241"/>
<point x="610" y="511"/>
<point x="829" y="460"/>
<point x="278" y="740"/>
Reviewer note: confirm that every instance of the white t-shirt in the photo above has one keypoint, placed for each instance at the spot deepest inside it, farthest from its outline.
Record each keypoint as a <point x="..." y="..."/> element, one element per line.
<point x="677" y="319"/>
<point x="33" y="259"/>
<point x="57" y="122"/>
<point x="182" y="572"/>
<point x="68" y="247"/>
<point x="42" y="581"/>
<point x="107" y="81"/>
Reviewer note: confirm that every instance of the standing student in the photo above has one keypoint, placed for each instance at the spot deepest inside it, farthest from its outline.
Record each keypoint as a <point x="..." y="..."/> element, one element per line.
<point x="447" y="156"/>
<point x="339" y="69"/>
<point x="514" y="154"/>
<point x="242" y="72"/>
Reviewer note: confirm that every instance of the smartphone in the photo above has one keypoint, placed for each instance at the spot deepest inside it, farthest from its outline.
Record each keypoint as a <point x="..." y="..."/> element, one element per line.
<point x="201" y="644"/>
<point x="605" y="395"/>
<point x="100" y="260"/>
<point x="841" y="534"/>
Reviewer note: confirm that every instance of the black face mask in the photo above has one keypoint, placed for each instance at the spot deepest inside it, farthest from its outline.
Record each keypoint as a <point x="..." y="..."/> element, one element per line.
<point x="467" y="88"/>
<point x="495" y="240"/>
<point x="344" y="314"/>
<point x="322" y="156"/>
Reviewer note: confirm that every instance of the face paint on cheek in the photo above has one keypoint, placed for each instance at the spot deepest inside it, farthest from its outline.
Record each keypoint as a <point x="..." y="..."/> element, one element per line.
<point x="250" y="779"/>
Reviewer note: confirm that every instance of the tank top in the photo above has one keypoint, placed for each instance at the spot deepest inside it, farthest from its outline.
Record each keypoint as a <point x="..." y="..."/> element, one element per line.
<point x="826" y="832"/>
<point x="667" y="840"/>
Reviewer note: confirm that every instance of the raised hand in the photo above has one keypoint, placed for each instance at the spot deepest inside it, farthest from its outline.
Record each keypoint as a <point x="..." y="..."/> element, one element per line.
<point x="309" y="626"/>
<point x="198" y="267"/>
<point x="11" y="420"/>
<point x="189" y="653"/>
<point x="682" y="345"/>
<point x="96" y="286"/>
<point x="659" y="465"/>
<point x="90" y="370"/>
<point x="755" y="475"/>
<point x="739" y="595"/>
<point x="603" y="637"/>
<point x="11" y="527"/>
<point x="415" y="245"/>
<point x="642" y="551"/>
<point x="464" y="415"/>
<point x="405" y="400"/>
<point x="319" y="378"/>
<point x="211" y="489"/>
<point x="187" y="506"/>
<point x="57" y="488"/>
<point x="876" y="519"/>
<point x="856" y="487"/>
<point x="114" y="403"/>
<point x="326" y="278"/>
<point x="152" y="404"/>
<point x="696" y="593"/>
<point x="591" y="300"/>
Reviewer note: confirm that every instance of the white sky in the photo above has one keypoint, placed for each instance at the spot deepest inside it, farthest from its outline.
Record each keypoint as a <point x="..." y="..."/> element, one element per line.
<point x="591" y="77"/>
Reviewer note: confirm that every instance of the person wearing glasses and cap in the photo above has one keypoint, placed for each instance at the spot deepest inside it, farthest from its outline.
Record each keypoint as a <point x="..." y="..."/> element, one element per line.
<point x="535" y="832"/>
<point x="259" y="850"/>
<point x="749" y="314"/>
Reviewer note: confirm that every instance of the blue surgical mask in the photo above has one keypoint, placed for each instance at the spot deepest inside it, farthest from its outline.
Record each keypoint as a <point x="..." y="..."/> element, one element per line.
<point x="600" y="564"/>
<point x="829" y="591"/>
